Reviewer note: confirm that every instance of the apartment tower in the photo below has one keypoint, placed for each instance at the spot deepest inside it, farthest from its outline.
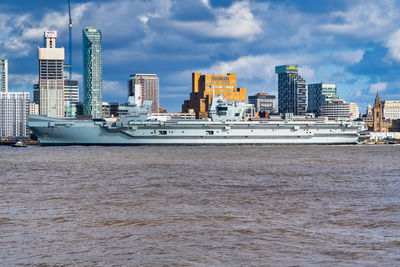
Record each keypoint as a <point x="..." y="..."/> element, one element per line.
<point x="92" y="73"/>
<point x="14" y="110"/>
<point x="3" y="75"/>
<point x="292" y="90"/>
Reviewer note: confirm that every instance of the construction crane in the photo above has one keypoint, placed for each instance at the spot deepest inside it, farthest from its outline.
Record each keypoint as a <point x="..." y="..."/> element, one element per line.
<point x="70" y="59"/>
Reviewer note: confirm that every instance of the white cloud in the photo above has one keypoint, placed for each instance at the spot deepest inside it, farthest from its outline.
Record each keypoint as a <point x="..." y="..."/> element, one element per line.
<point x="263" y="66"/>
<point x="393" y="43"/>
<point x="349" y="56"/>
<point x="380" y="86"/>
<point x="236" y="21"/>
<point x="206" y="3"/>
<point x="364" y="19"/>
<point x="22" y="79"/>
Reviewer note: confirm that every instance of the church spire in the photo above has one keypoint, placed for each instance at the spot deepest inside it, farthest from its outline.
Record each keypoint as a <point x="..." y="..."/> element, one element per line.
<point x="377" y="99"/>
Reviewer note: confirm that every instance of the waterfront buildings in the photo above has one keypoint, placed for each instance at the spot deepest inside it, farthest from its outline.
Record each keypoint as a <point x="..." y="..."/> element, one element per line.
<point x="71" y="92"/>
<point x="109" y="110"/>
<point x="76" y="110"/>
<point x="51" y="79"/>
<point x="340" y="109"/>
<point x="205" y="87"/>
<point x="391" y="109"/>
<point x="3" y="75"/>
<point x="36" y="93"/>
<point x="144" y="87"/>
<point x="354" y="111"/>
<point x="33" y="109"/>
<point x="92" y="72"/>
<point x="71" y="98"/>
<point x="320" y="94"/>
<point x="263" y="102"/>
<point x="377" y="114"/>
<point x="292" y="90"/>
<point x="14" y="109"/>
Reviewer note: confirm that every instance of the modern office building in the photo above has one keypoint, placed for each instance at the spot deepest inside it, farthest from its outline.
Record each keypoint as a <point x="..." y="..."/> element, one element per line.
<point x="263" y="102"/>
<point x="92" y="72"/>
<point x="340" y="109"/>
<point x="292" y="90"/>
<point x="391" y="109"/>
<point x="14" y="109"/>
<point x="51" y="78"/>
<point x="320" y="94"/>
<point x="205" y="87"/>
<point x="144" y="87"/>
<point x="4" y="75"/>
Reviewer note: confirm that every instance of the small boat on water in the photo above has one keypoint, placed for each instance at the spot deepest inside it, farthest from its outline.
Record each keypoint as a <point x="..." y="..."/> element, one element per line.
<point x="19" y="144"/>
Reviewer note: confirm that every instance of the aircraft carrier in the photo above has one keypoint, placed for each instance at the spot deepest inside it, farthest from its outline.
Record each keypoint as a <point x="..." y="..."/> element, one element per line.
<point x="226" y="126"/>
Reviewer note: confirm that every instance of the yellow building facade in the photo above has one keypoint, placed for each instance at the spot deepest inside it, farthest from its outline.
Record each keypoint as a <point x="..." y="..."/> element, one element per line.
<point x="204" y="87"/>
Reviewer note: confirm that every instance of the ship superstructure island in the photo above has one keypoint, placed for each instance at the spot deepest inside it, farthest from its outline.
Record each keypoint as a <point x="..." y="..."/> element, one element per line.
<point x="226" y="126"/>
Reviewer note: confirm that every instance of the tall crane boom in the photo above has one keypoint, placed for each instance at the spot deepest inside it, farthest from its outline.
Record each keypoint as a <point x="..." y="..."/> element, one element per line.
<point x="70" y="59"/>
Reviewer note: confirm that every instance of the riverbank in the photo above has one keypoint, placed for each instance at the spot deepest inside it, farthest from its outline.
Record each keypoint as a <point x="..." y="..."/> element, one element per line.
<point x="12" y="142"/>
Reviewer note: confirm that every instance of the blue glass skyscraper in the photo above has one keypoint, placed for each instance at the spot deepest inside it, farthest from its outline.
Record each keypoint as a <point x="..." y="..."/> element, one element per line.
<point x="92" y="72"/>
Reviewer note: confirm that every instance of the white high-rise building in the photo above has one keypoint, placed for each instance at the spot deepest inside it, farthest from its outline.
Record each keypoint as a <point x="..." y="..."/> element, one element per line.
<point x="4" y="75"/>
<point x="14" y="109"/>
<point x="51" y="78"/>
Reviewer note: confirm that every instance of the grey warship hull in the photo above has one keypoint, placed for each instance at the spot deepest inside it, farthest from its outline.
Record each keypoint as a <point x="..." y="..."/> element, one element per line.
<point x="52" y="131"/>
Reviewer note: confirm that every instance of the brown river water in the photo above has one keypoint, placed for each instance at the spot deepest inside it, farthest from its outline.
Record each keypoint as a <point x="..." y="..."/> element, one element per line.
<point x="202" y="206"/>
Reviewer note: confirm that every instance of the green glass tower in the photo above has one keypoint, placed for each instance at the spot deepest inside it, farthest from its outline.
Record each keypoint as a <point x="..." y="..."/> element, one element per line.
<point x="92" y="72"/>
<point x="320" y="94"/>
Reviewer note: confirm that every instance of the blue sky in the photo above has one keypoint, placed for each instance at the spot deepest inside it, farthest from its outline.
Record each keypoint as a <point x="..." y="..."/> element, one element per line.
<point x="355" y="44"/>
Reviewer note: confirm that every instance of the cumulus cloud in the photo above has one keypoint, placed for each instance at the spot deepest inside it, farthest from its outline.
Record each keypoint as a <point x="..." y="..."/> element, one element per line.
<point x="349" y="57"/>
<point x="380" y="86"/>
<point x="393" y="44"/>
<point x="263" y="66"/>
<point x="236" y="21"/>
<point x="364" y="19"/>
<point x="22" y="79"/>
<point x="206" y="3"/>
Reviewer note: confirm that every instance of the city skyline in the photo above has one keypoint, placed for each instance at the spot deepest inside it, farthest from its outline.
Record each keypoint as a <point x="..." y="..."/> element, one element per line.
<point x="354" y="44"/>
